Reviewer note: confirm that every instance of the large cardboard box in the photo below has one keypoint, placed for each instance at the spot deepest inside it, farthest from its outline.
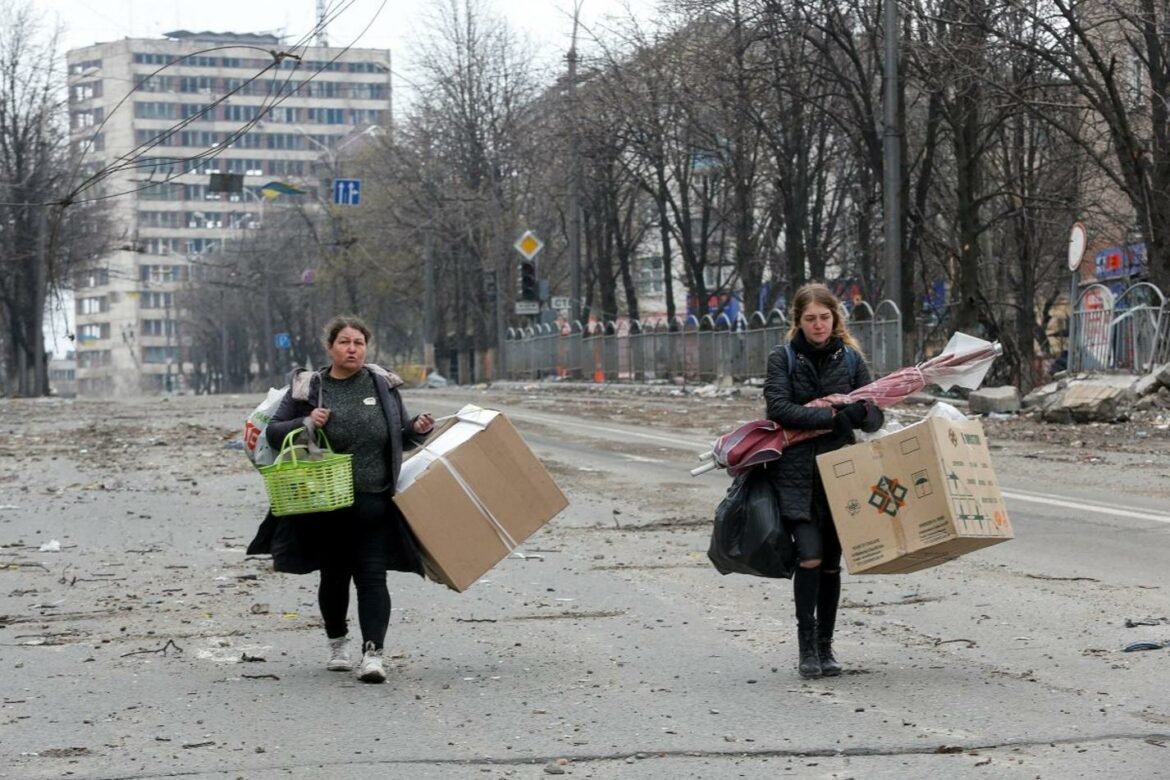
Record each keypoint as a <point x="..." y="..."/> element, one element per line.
<point x="472" y="493"/>
<point x="915" y="498"/>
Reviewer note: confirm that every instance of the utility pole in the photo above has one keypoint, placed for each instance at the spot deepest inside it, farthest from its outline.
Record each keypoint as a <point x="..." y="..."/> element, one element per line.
<point x="892" y="160"/>
<point x="429" y="301"/>
<point x="574" y="180"/>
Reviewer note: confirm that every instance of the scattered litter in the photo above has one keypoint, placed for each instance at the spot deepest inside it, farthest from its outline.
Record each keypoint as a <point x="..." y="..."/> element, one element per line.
<point x="234" y="444"/>
<point x="51" y="546"/>
<point x="1131" y="623"/>
<point x="259" y="609"/>
<point x="1137" y="646"/>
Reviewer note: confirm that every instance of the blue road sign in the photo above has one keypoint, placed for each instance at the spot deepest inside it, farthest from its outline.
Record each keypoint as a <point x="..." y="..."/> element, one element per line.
<point x="347" y="192"/>
<point x="283" y="341"/>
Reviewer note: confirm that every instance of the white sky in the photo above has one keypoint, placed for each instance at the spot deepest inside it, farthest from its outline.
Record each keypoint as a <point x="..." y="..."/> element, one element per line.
<point x="547" y="24"/>
<point x="393" y="24"/>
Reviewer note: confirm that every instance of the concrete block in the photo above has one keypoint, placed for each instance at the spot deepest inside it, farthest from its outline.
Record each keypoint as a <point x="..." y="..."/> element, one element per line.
<point x="994" y="400"/>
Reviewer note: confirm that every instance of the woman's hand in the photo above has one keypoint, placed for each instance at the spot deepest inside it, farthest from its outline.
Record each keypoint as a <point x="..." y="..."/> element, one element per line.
<point x="423" y="424"/>
<point x="318" y="417"/>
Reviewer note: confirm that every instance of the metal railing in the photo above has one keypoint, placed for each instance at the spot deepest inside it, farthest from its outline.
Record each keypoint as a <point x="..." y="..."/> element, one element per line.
<point x="695" y="349"/>
<point x="1129" y="332"/>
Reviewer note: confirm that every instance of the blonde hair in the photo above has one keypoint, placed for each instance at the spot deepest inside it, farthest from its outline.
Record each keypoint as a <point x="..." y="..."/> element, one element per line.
<point x="818" y="293"/>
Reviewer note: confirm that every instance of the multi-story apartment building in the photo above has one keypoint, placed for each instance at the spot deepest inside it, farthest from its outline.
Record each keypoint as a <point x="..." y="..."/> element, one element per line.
<point x="125" y="98"/>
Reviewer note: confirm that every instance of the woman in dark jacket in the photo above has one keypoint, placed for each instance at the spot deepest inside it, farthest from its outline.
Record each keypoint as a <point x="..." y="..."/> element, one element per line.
<point x="827" y="360"/>
<point x="358" y="406"/>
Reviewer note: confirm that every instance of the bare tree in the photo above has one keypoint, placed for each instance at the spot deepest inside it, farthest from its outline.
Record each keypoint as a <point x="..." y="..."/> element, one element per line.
<point x="40" y="241"/>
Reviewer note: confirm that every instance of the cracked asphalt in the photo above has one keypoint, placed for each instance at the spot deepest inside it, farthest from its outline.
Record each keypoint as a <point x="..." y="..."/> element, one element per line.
<point x="137" y="640"/>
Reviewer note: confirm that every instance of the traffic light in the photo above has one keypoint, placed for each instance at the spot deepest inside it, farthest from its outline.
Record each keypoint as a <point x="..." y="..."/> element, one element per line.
<point x="528" y="288"/>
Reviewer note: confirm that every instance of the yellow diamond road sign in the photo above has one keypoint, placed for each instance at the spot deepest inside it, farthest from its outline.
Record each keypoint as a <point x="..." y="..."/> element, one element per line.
<point x="528" y="245"/>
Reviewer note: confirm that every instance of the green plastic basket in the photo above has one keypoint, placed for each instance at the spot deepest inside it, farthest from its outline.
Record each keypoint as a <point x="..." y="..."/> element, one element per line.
<point x="317" y="481"/>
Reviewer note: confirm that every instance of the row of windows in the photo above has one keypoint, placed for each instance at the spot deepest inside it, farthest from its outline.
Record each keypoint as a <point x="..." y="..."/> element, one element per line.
<point x="205" y="139"/>
<point x="162" y="273"/>
<point x="172" y="166"/>
<point x="78" y="68"/>
<point x="196" y="219"/>
<point x="98" y="304"/>
<point x="156" y="300"/>
<point x="176" y="246"/>
<point x="202" y="61"/>
<point x="93" y="358"/>
<point x="79" y="120"/>
<point x="241" y="114"/>
<point x="265" y="87"/>
<point x="160" y="354"/>
<point x="86" y="90"/>
<point x="157" y="328"/>
<point x="90" y="143"/>
<point x="97" y="277"/>
<point x="95" y="331"/>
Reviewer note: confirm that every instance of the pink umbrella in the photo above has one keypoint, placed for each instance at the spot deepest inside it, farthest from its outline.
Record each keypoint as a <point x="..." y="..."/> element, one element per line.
<point x="964" y="362"/>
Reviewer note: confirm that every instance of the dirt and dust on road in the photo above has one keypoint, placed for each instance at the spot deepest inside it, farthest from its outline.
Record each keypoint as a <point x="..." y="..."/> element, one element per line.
<point x="1131" y="452"/>
<point x="141" y="638"/>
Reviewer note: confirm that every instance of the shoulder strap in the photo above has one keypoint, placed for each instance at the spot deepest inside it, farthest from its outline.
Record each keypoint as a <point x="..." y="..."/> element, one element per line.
<point x="852" y="360"/>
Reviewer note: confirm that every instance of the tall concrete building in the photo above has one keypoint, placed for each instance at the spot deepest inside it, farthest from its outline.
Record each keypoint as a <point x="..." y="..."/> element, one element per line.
<point x="125" y="98"/>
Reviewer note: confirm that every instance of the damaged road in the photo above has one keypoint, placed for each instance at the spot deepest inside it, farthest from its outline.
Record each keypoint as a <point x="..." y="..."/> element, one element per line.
<point x="144" y="644"/>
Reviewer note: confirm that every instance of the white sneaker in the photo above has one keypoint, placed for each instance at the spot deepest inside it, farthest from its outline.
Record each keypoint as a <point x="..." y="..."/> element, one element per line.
<point x="339" y="660"/>
<point x="371" y="669"/>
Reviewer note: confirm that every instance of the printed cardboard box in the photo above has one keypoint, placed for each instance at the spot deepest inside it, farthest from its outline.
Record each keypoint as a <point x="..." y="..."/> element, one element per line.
<point x="915" y="498"/>
<point x="472" y="494"/>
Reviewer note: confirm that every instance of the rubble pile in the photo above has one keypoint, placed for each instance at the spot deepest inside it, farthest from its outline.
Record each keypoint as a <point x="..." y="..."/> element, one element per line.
<point x="1085" y="398"/>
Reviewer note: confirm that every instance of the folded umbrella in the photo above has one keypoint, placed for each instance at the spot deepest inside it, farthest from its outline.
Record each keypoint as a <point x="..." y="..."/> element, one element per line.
<point x="964" y="363"/>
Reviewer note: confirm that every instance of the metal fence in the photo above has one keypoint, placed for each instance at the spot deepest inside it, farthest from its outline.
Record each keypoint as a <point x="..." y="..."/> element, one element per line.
<point x="1129" y="332"/>
<point x="695" y="349"/>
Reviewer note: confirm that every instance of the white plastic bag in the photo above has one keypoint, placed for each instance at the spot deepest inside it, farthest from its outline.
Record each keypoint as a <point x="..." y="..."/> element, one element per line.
<point x="256" y="445"/>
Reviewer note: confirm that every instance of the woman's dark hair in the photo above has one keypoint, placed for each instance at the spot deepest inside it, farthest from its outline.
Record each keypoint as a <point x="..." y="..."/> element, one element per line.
<point x="340" y="323"/>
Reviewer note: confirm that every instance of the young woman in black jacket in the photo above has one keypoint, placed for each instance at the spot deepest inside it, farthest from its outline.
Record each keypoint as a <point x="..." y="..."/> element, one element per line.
<point x="824" y="359"/>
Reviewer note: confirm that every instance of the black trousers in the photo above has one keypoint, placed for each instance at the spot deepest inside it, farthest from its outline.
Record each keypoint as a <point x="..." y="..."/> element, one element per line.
<point x="357" y="552"/>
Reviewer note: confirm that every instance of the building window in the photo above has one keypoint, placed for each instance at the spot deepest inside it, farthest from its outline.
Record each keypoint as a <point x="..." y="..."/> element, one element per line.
<point x="98" y="277"/>
<point x="94" y="331"/>
<point x="239" y="113"/>
<point x="156" y="110"/>
<point x="158" y="327"/>
<point x="163" y="273"/>
<point x="96" y="305"/>
<point x="93" y="358"/>
<point x="650" y="276"/>
<point x="78" y="68"/>
<point x="142" y="58"/>
<point x="203" y="85"/>
<point x="156" y="300"/>
<point x="87" y="90"/>
<point x="200" y="110"/>
<point x="160" y="354"/>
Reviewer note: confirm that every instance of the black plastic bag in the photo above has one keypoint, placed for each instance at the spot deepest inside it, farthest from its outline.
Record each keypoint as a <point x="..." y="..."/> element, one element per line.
<point x="749" y="537"/>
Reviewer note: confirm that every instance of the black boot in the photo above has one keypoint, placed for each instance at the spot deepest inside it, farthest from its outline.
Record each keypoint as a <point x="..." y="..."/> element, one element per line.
<point x="828" y="597"/>
<point x="810" y="661"/>
<point x="806" y="584"/>
<point x="829" y="665"/>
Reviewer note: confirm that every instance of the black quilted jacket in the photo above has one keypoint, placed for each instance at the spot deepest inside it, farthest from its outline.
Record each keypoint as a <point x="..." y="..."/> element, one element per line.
<point x="786" y="393"/>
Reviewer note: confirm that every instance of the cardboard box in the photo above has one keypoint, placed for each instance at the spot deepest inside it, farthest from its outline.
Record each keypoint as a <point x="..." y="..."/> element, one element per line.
<point x="915" y="498"/>
<point x="473" y="493"/>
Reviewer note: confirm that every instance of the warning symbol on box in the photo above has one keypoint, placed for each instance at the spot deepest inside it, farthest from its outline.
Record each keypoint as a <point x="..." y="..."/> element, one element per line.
<point x="922" y="487"/>
<point x="888" y="496"/>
